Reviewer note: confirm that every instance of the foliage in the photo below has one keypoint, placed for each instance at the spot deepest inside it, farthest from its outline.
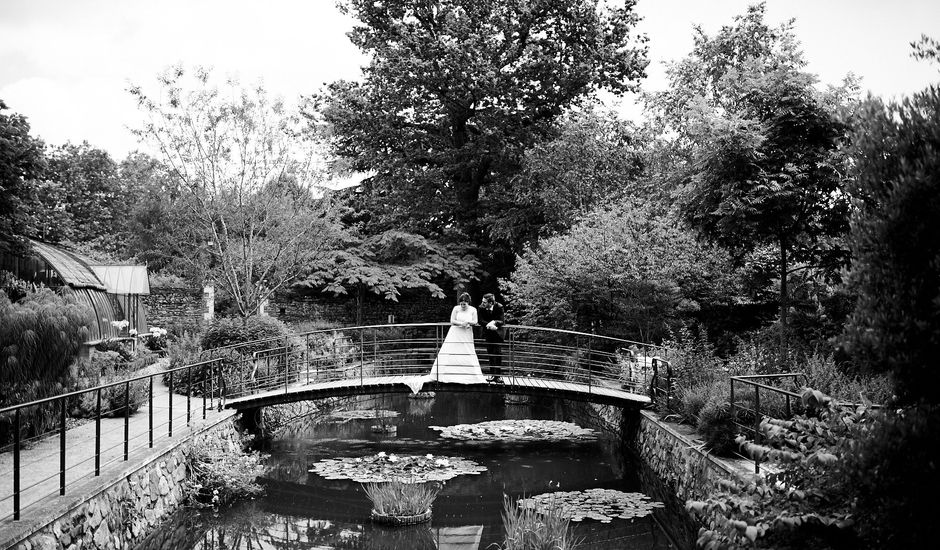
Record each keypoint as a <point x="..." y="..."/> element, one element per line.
<point x="535" y="529"/>
<point x="22" y="162"/>
<point x="220" y="476"/>
<point x="394" y="498"/>
<point x="896" y="254"/>
<point x="104" y="367"/>
<point x="258" y="332"/>
<point x="796" y="504"/>
<point x="766" y="164"/>
<point x="892" y="473"/>
<point x="254" y="219"/>
<point x="626" y="271"/>
<point x="837" y="381"/>
<point x="387" y="263"/>
<point x="39" y="337"/>
<point x="594" y="157"/>
<point x="456" y="91"/>
<point x="717" y="425"/>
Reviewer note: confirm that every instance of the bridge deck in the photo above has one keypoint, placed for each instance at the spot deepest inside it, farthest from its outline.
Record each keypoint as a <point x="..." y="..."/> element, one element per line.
<point x="604" y="394"/>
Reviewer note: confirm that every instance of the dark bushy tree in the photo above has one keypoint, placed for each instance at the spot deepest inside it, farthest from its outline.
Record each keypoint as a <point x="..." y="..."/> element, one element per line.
<point x="456" y="91"/>
<point x="895" y="242"/>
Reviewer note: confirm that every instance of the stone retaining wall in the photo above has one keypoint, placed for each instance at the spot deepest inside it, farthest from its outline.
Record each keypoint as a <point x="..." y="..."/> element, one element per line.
<point x="122" y="514"/>
<point x="681" y="463"/>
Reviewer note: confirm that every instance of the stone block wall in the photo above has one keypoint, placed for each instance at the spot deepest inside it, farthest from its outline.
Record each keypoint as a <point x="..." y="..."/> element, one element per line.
<point x="687" y="469"/>
<point x="123" y="514"/>
<point x="175" y="307"/>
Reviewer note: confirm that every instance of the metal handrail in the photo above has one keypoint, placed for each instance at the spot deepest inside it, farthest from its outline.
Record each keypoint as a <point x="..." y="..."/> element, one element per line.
<point x="751" y="380"/>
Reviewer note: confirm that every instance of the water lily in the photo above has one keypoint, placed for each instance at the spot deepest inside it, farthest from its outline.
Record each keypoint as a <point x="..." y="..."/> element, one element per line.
<point x="393" y="458"/>
<point x="442" y="462"/>
<point x="358" y="460"/>
<point x="429" y="456"/>
<point x="381" y="454"/>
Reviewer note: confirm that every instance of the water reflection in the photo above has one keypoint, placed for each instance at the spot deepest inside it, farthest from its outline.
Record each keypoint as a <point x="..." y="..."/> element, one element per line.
<point x="304" y="510"/>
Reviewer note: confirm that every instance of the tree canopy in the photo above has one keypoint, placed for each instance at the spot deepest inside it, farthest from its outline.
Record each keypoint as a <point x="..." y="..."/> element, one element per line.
<point x="456" y="91"/>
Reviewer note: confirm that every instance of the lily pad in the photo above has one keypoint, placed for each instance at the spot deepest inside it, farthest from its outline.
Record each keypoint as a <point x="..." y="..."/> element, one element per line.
<point x="603" y="505"/>
<point x="389" y="467"/>
<point x="517" y="430"/>
<point x="366" y="414"/>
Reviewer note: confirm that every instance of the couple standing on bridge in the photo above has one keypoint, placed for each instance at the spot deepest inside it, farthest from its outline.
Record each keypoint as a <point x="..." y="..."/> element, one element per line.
<point x="457" y="359"/>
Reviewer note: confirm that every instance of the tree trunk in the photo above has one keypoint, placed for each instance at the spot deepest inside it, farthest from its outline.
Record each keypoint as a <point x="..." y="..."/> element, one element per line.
<point x="784" y="304"/>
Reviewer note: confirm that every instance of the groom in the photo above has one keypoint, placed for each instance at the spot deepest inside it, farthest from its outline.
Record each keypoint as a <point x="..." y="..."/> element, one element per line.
<point x="490" y="316"/>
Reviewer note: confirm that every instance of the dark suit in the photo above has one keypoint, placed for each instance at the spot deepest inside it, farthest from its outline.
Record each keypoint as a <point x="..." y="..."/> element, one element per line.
<point x="493" y="338"/>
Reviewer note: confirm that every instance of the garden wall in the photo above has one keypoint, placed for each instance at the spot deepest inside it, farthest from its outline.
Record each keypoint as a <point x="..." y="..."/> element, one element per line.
<point x="681" y="463"/>
<point x="176" y="307"/>
<point x="122" y="513"/>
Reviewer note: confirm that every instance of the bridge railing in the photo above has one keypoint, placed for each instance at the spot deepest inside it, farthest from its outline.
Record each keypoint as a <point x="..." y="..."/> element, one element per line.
<point x="404" y="350"/>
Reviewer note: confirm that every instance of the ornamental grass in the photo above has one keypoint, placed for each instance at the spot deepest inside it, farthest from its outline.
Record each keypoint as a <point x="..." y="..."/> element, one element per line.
<point x="395" y="498"/>
<point x="528" y="529"/>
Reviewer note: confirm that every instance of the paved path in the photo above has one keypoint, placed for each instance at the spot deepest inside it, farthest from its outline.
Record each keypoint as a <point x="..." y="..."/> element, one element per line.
<point x="40" y="463"/>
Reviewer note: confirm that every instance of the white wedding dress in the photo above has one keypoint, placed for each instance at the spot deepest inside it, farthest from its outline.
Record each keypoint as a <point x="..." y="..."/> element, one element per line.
<point x="457" y="360"/>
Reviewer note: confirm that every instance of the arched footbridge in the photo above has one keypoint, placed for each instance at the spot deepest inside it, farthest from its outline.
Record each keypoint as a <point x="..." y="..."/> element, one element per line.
<point x="136" y="416"/>
<point x="398" y="359"/>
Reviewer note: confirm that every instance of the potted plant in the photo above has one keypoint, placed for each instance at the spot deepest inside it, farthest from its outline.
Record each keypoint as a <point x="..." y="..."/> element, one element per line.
<point x="399" y="503"/>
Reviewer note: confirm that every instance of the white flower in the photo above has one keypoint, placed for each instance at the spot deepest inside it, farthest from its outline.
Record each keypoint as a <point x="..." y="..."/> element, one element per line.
<point x="442" y="462"/>
<point x="429" y="456"/>
<point x="132" y="332"/>
<point x="393" y="458"/>
<point x="358" y="460"/>
<point x="381" y="454"/>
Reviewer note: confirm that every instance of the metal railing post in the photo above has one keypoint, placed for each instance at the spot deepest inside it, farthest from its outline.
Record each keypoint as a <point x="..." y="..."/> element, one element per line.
<point x="307" y="356"/>
<point x="362" y="354"/>
<point x="734" y="418"/>
<point x="150" y="412"/>
<point x="127" y="419"/>
<point x="98" y="434"/>
<point x="62" y="446"/>
<point x="757" y="436"/>
<point x="204" y="393"/>
<point x="16" y="465"/>
<point x="170" y="415"/>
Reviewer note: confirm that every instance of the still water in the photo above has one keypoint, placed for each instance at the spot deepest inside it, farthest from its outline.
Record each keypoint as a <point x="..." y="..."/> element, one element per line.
<point x="303" y="510"/>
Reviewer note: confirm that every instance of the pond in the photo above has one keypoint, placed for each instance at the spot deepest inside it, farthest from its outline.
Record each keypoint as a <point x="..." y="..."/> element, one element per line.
<point x="302" y="509"/>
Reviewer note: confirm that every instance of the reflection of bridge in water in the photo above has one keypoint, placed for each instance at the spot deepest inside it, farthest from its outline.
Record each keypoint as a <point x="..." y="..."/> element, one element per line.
<point x="385" y="358"/>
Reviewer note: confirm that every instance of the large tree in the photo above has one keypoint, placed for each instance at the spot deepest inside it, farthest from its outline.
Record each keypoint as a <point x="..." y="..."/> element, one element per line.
<point x="22" y="162"/>
<point x="456" y="91"/>
<point x="257" y="221"/>
<point x="895" y="242"/>
<point x="766" y="165"/>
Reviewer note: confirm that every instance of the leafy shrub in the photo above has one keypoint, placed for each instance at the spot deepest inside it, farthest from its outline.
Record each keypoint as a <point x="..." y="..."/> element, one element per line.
<point x="185" y="350"/>
<point x="100" y="369"/>
<point x="892" y="476"/>
<point x="233" y="331"/>
<point x="118" y="346"/>
<point x="716" y="425"/>
<point x="40" y="336"/>
<point x="219" y="476"/>
<point x="395" y="498"/>
<point x="824" y="375"/>
<point x="695" y="398"/>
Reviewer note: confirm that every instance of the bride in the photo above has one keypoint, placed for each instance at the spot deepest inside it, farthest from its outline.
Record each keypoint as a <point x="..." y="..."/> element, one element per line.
<point x="457" y="360"/>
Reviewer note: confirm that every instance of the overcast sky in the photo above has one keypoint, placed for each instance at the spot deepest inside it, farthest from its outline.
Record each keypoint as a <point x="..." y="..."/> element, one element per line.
<point x="66" y="64"/>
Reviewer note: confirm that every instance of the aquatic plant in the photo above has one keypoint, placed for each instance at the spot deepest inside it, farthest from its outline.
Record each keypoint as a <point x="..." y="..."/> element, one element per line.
<point x="388" y="467"/>
<point x="535" y="529"/>
<point x="219" y="475"/>
<point x="397" y="498"/>
<point x="603" y="505"/>
<point x="363" y="414"/>
<point x="517" y="430"/>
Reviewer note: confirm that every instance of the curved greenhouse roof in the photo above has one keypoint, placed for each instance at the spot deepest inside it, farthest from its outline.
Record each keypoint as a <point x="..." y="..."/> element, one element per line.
<point x="69" y="267"/>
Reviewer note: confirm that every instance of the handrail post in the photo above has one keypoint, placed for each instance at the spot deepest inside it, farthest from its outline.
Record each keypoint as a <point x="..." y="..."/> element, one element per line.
<point x="170" y="415"/>
<point x="98" y="433"/>
<point x="757" y="437"/>
<point x="734" y="417"/>
<point x="362" y="355"/>
<point x="204" y="395"/>
<point x="189" y="393"/>
<point x="150" y="412"/>
<point x="127" y="417"/>
<point x="307" y="356"/>
<point x="62" y="446"/>
<point x="512" y="356"/>
<point x="16" y="465"/>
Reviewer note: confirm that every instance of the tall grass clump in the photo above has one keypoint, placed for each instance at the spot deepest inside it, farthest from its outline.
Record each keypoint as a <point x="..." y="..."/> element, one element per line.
<point x="536" y="529"/>
<point x="395" y="498"/>
<point x="221" y="474"/>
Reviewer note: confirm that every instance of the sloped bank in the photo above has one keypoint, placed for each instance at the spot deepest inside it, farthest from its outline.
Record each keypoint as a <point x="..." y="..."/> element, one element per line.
<point x="120" y="514"/>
